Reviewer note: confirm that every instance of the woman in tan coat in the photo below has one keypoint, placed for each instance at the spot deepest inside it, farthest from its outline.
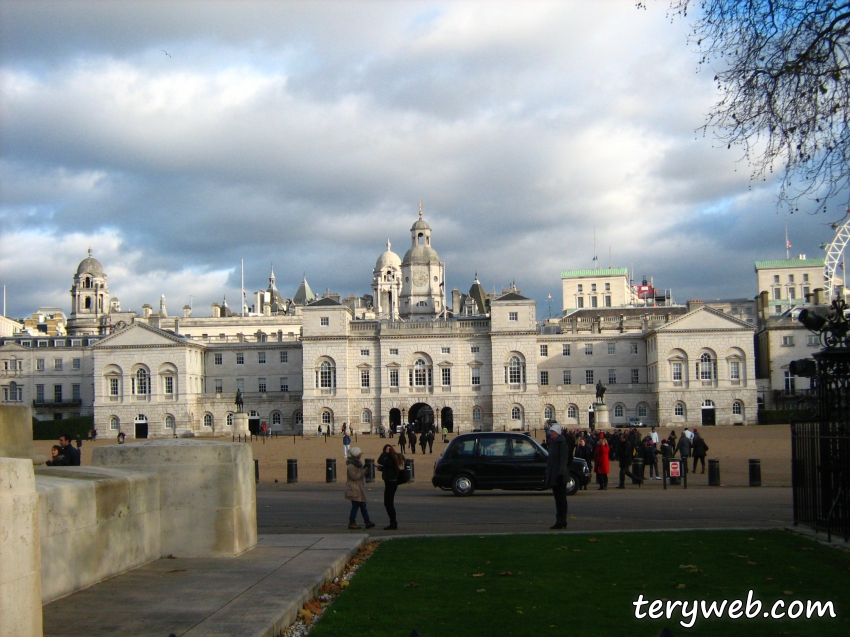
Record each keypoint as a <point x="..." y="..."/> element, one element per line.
<point x="355" y="488"/>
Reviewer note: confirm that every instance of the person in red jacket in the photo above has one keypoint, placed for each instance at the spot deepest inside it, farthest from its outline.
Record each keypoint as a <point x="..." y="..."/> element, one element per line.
<point x="602" y="464"/>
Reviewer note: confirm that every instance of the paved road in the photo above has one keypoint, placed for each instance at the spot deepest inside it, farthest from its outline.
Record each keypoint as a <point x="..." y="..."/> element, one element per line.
<point x="320" y="508"/>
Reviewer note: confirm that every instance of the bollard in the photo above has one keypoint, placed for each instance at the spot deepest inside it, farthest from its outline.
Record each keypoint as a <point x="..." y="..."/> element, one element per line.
<point x="370" y="469"/>
<point x="674" y="481"/>
<point x="755" y="472"/>
<point x="714" y="472"/>
<point x="408" y="466"/>
<point x="292" y="470"/>
<point x="330" y="472"/>
<point x="256" y="470"/>
<point x="637" y="470"/>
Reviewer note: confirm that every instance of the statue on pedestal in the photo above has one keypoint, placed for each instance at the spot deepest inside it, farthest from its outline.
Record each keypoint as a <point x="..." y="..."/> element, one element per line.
<point x="600" y="392"/>
<point x="239" y="401"/>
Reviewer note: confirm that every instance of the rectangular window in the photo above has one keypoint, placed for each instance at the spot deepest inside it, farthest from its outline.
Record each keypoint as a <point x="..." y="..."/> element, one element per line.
<point x="734" y="370"/>
<point x="217" y="359"/>
<point x="593" y="287"/>
<point x="113" y="386"/>
<point x="261" y="358"/>
<point x="284" y="384"/>
<point x="57" y="393"/>
<point x="393" y="351"/>
<point x="240" y="358"/>
<point x="39" y="393"/>
<point x="76" y="342"/>
<point x="261" y="385"/>
<point x="612" y="376"/>
<point x="284" y="356"/>
<point x="474" y="349"/>
<point x="75" y="392"/>
<point x="791" y="293"/>
<point x="77" y="363"/>
<point x="568" y="377"/>
<point x="39" y="364"/>
<point x="580" y="302"/>
<point x="588" y="349"/>
<point x="325" y="321"/>
<point x="677" y="372"/>
<point x="565" y="349"/>
<point x="240" y="384"/>
<point x="607" y="287"/>
<point x="612" y="349"/>
<point x="588" y="377"/>
<point x="364" y="352"/>
<point x="219" y="386"/>
<point x="635" y="376"/>
<point x="446" y="350"/>
<point x="393" y="378"/>
<point x="594" y="302"/>
<point x="544" y="378"/>
<point x="805" y="278"/>
<point x="787" y="341"/>
<point x="776" y="278"/>
<point x="777" y="294"/>
<point x="580" y="288"/>
<point x="169" y="384"/>
<point x="790" y="385"/>
<point x="513" y="316"/>
<point x="57" y="363"/>
<point x="544" y="350"/>
<point x="790" y="278"/>
<point x="607" y="300"/>
<point x="476" y="376"/>
<point x="446" y="375"/>
<point x="633" y="348"/>
<point x="812" y="340"/>
<point x="806" y="291"/>
<point x="364" y="378"/>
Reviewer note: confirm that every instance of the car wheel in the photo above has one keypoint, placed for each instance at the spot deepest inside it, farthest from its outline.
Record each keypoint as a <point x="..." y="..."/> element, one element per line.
<point x="463" y="485"/>
<point x="572" y="484"/>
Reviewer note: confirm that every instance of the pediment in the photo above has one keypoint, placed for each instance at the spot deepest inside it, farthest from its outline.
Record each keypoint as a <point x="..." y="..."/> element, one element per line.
<point x="475" y="363"/>
<point x="15" y="347"/>
<point x="140" y="334"/>
<point x="705" y="319"/>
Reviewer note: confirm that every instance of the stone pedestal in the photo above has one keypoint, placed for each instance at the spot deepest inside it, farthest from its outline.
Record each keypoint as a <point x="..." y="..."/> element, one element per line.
<point x="207" y="492"/>
<point x="20" y="550"/>
<point x="240" y="424"/>
<point x="16" y="434"/>
<point x="602" y="415"/>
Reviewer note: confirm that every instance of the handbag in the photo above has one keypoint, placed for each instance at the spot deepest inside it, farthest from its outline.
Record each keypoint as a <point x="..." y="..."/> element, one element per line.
<point x="403" y="476"/>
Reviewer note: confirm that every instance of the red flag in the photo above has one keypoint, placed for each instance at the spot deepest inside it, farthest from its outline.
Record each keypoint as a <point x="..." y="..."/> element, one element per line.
<point x="787" y="244"/>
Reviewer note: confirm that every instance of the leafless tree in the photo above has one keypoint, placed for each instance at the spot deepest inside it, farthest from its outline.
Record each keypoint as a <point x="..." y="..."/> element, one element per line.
<point x="783" y="71"/>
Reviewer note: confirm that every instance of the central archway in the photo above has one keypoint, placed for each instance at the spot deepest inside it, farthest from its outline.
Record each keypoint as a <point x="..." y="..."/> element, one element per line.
<point x="421" y="415"/>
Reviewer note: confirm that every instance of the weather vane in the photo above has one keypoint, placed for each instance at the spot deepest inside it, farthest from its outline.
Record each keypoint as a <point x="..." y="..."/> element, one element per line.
<point x="420" y="209"/>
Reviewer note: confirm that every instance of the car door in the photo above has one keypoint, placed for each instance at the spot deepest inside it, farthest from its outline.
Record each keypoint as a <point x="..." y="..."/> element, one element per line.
<point x="494" y="462"/>
<point x="529" y="462"/>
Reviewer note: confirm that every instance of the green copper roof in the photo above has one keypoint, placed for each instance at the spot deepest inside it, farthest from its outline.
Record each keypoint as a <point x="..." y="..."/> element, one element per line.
<point x="572" y="274"/>
<point x="788" y="263"/>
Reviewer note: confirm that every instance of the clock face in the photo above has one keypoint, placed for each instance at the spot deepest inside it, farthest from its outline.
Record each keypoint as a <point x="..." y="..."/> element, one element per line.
<point x="420" y="279"/>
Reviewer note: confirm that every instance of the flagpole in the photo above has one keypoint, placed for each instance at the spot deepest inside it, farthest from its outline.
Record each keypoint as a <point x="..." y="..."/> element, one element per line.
<point x="787" y="244"/>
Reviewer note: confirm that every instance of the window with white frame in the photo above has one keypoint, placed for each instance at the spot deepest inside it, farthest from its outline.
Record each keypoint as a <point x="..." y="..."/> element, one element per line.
<point x="679" y="409"/>
<point x="612" y="376"/>
<point x="168" y="385"/>
<point x="588" y="349"/>
<point x="787" y="341"/>
<point x="208" y="420"/>
<point x="549" y="412"/>
<point x="284" y="383"/>
<point x="790" y="384"/>
<point x="276" y="418"/>
<point x="544" y="377"/>
<point x="572" y="412"/>
<point x="734" y="370"/>
<point x="677" y="372"/>
<point x="216" y="359"/>
<point x="476" y="376"/>
<point x="633" y="348"/>
<point x="39" y="364"/>
<point x="642" y="410"/>
<point x="515" y="371"/>
<point x="284" y="356"/>
<point x="76" y="363"/>
<point x="140" y="382"/>
<point x="737" y="408"/>
<point x="446" y="350"/>
<point x="588" y="377"/>
<point x="240" y="384"/>
<point x="326" y="375"/>
<point x="261" y="385"/>
<point x="513" y="316"/>
<point x="230" y="420"/>
<point x="364" y="378"/>
<point x="446" y="376"/>
<point x="169" y="421"/>
<point x="619" y="411"/>
<point x="114" y="423"/>
<point x="326" y="417"/>
<point x="113" y="386"/>
<point x="299" y="418"/>
<point x="706" y="367"/>
<point x="516" y="413"/>
<point x="240" y="358"/>
<point x="635" y="376"/>
<point x="393" y="351"/>
<point x="261" y="358"/>
<point x="219" y="386"/>
<point x="612" y="349"/>
<point x="474" y="349"/>
<point x="364" y="352"/>
<point x="476" y="414"/>
<point x="565" y="349"/>
<point x="812" y="340"/>
<point x="544" y="351"/>
<point x="393" y="378"/>
<point x="39" y="393"/>
<point x="366" y="417"/>
<point x="580" y="288"/>
<point x="420" y="373"/>
<point x="568" y="377"/>
<point x="325" y="321"/>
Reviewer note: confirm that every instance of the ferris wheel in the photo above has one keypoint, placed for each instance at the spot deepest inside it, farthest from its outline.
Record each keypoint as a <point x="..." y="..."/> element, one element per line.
<point x="833" y="264"/>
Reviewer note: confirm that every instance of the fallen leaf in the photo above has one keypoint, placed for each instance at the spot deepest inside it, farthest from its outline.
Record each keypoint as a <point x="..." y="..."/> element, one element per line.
<point x="478" y="575"/>
<point x="487" y="562"/>
<point x="412" y="585"/>
<point x="572" y="517"/>
<point x="593" y="539"/>
<point x="751" y="563"/>
<point x="787" y="592"/>
<point x="577" y="550"/>
<point x="481" y="590"/>
<point x="768" y="579"/>
<point x="519" y="612"/>
<point x="344" y="584"/>
<point x="681" y="586"/>
<point x="505" y="573"/>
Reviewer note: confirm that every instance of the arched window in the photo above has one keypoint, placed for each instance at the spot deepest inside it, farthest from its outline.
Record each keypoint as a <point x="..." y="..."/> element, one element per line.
<point x="88" y="303"/>
<point x="476" y="414"/>
<point x="229" y="420"/>
<point x="738" y="408"/>
<point x="516" y="371"/>
<point x="169" y="421"/>
<point x="366" y="417"/>
<point x="642" y="410"/>
<point x="420" y="373"/>
<point x="114" y="423"/>
<point x="276" y="420"/>
<point x="709" y="404"/>
<point x="549" y="412"/>
<point x="679" y="409"/>
<point x="516" y="413"/>
<point x="208" y="420"/>
<point x="326" y="417"/>
<point x="619" y="411"/>
<point x="707" y="367"/>
<point x="326" y="375"/>
<point x="141" y="386"/>
<point x="572" y="412"/>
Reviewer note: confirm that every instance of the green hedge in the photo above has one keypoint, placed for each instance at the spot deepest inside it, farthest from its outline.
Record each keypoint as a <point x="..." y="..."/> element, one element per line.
<point x="52" y="429"/>
<point x="775" y="416"/>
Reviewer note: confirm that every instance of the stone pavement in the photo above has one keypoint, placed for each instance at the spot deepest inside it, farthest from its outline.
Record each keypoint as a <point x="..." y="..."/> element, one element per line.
<point x="257" y="594"/>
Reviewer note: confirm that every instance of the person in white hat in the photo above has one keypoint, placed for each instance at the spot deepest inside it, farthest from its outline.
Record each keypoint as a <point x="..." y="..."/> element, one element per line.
<point x="355" y="488"/>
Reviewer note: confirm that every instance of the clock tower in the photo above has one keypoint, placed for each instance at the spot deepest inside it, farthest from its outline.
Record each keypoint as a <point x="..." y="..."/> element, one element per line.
<point x="422" y="276"/>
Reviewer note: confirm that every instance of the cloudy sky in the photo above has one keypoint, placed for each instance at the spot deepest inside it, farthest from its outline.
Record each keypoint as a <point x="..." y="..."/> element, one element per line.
<point x="176" y="138"/>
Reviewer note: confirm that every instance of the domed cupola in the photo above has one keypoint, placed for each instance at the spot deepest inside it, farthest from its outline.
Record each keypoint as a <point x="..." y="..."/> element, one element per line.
<point x="423" y="285"/>
<point x="89" y="298"/>
<point x="386" y="284"/>
<point x="388" y="259"/>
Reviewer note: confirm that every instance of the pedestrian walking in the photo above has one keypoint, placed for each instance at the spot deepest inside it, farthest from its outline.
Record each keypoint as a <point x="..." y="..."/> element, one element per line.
<point x="355" y="488"/>
<point x="557" y="473"/>
<point x="390" y="464"/>
<point x="402" y="440"/>
<point x="346" y="445"/>
<point x="445" y="434"/>
<point x="699" y="449"/>
<point x="625" y="454"/>
<point x="602" y="463"/>
<point x="431" y="437"/>
<point x="411" y="441"/>
<point x="650" y="458"/>
<point x="423" y="441"/>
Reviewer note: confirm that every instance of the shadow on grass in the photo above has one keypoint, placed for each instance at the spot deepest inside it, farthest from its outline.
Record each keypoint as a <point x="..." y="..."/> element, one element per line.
<point x="587" y="584"/>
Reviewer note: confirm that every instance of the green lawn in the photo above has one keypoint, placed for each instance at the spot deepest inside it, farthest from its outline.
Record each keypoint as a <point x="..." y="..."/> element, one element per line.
<point x="585" y="585"/>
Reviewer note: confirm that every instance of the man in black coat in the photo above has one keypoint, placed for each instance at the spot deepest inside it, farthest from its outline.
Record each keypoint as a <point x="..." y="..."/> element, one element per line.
<point x="557" y="474"/>
<point x="73" y="455"/>
<point x="624" y="456"/>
